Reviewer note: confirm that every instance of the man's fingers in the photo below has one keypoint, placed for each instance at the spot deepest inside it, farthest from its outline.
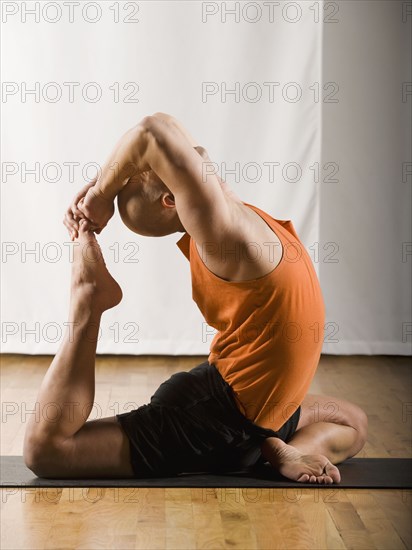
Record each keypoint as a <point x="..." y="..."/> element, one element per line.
<point x="81" y="212"/>
<point x="76" y="212"/>
<point x="76" y="207"/>
<point x="71" y="224"/>
<point x="73" y="233"/>
<point x="69" y="229"/>
<point x="70" y="218"/>
<point x="82" y="208"/>
<point x="79" y="197"/>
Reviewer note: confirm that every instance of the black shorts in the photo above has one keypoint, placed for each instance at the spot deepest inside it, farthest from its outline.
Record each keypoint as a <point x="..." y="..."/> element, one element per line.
<point x="192" y="424"/>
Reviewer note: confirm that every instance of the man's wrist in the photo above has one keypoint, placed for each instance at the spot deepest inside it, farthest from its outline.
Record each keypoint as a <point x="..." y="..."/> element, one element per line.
<point x="104" y="193"/>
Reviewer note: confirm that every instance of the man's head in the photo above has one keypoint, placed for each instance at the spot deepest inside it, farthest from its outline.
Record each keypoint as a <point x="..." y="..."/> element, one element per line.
<point x="147" y="206"/>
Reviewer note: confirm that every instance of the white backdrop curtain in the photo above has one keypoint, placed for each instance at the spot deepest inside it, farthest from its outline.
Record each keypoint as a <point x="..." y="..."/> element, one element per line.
<point x="299" y="104"/>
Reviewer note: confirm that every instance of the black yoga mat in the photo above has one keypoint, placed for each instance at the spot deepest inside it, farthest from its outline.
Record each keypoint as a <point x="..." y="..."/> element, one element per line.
<point x="359" y="473"/>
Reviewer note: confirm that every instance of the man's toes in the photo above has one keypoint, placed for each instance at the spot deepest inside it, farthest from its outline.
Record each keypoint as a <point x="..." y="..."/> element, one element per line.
<point x="82" y="226"/>
<point x="303" y="478"/>
<point x="333" y="473"/>
<point x="325" y="480"/>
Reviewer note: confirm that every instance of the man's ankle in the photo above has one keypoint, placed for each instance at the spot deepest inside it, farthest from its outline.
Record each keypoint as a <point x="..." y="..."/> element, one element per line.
<point x="273" y="449"/>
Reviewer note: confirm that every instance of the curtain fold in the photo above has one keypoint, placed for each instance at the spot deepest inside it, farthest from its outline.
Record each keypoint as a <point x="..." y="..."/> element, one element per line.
<point x="248" y="81"/>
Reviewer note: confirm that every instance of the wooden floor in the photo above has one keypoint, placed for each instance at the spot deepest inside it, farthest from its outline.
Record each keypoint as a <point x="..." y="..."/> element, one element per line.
<point x="212" y="518"/>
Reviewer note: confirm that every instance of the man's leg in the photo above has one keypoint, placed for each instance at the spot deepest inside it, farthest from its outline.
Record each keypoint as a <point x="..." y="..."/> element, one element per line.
<point x="329" y="431"/>
<point x="60" y="442"/>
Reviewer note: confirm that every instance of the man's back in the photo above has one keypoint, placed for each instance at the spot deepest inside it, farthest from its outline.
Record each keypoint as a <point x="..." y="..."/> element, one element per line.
<point x="269" y="326"/>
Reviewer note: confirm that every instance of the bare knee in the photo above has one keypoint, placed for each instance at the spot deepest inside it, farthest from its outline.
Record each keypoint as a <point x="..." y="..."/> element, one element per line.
<point x="356" y="418"/>
<point x="360" y="424"/>
<point x="323" y="408"/>
<point x="45" y="457"/>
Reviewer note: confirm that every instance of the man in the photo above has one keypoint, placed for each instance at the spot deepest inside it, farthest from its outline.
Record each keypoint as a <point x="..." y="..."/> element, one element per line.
<point x="252" y="280"/>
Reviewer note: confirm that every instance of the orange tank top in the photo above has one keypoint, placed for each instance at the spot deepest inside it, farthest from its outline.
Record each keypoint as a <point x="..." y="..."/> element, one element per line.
<point x="269" y="330"/>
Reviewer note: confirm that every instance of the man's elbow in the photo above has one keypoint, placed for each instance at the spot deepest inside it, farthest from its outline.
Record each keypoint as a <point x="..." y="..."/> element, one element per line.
<point x="148" y="122"/>
<point x="143" y="125"/>
<point x="151" y="127"/>
<point x="165" y="117"/>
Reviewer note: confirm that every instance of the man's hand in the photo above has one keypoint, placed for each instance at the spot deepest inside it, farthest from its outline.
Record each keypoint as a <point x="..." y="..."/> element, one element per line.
<point x="73" y="215"/>
<point x="88" y="205"/>
<point x="96" y="208"/>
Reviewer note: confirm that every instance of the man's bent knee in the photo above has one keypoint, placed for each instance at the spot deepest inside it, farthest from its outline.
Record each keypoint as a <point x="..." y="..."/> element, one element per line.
<point x="323" y="408"/>
<point x="360" y="424"/>
<point x="356" y="418"/>
<point x="45" y="458"/>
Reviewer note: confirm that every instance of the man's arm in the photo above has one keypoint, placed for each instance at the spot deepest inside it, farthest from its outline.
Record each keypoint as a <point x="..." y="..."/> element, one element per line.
<point x="172" y="121"/>
<point x="95" y="202"/>
<point x="128" y="157"/>
<point x="126" y="160"/>
<point x="161" y="144"/>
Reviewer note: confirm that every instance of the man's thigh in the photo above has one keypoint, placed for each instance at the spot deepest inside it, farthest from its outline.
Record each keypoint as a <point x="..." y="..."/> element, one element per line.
<point x="323" y="408"/>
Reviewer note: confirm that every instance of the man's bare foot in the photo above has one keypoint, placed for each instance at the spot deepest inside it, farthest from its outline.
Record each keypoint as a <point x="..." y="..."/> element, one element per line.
<point x="91" y="281"/>
<point x="294" y="465"/>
